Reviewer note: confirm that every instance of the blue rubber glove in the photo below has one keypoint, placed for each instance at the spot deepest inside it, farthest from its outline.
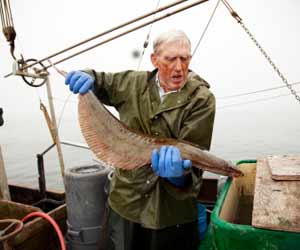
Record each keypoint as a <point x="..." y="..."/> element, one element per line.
<point x="169" y="164"/>
<point x="79" y="82"/>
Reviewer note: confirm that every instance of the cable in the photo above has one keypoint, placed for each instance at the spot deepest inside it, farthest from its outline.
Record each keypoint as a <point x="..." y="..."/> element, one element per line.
<point x="63" y="74"/>
<point x="63" y="110"/>
<point x="205" y="29"/>
<point x="64" y="100"/>
<point x="146" y="43"/>
<point x="52" y="222"/>
<point x="114" y="29"/>
<point x="254" y="101"/>
<point x="255" y="92"/>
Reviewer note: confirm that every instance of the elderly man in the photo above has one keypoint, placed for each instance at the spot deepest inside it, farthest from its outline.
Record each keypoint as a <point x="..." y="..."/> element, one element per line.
<point x="156" y="207"/>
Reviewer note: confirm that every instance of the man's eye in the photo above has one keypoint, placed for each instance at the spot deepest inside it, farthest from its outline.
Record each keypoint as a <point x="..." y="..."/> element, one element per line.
<point x="184" y="58"/>
<point x="170" y="59"/>
<point x="174" y="58"/>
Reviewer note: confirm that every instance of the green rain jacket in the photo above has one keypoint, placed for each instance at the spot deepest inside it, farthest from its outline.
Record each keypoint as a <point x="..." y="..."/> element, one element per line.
<point x="140" y="195"/>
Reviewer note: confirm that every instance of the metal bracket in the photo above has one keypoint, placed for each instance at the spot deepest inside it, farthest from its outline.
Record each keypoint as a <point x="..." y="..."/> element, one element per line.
<point x="34" y="77"/>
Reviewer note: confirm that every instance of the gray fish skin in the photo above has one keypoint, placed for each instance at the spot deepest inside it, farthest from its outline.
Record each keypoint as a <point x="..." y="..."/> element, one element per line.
<point x="117" y="145"/>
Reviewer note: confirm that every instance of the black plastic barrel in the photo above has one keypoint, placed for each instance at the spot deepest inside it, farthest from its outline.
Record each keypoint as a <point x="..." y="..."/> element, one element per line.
<point x="86" y="198"/>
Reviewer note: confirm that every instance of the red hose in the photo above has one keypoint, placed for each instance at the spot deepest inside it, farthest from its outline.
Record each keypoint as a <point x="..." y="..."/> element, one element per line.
<point x="53" y="223"/>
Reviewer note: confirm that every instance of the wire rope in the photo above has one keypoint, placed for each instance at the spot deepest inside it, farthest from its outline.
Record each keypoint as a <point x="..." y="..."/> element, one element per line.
<point x="256" y="91"/>
<point x="146" y="43"/>
<point x="206" y="28"/>
<point x="254" y="101"/>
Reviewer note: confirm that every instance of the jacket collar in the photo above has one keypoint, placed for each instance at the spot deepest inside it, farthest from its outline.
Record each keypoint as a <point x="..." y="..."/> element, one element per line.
<point x="175" y="99"/>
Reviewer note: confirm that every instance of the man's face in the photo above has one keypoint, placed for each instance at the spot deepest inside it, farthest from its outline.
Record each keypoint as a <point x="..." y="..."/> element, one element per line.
<point x="172" y="61"/>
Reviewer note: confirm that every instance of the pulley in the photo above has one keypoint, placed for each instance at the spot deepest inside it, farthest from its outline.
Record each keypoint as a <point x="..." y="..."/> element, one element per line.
<point x="8" y="25"/>
<point x="33" y="76"/>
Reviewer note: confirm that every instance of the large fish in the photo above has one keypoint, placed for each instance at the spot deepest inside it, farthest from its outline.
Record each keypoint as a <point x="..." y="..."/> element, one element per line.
<point x="119" y="146"/>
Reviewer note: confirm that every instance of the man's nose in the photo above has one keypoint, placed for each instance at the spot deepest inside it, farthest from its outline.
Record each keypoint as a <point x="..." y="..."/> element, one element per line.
<point x="178" y="64"/>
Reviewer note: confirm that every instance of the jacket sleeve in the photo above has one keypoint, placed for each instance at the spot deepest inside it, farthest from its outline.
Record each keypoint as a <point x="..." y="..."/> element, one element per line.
<point x="197" y="128"/>
<point x="198" y="125"/>
<point x="111" y="88"/>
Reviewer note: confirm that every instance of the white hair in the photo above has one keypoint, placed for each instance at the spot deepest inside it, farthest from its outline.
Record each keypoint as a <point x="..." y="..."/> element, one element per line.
<point x="170" y="36"/>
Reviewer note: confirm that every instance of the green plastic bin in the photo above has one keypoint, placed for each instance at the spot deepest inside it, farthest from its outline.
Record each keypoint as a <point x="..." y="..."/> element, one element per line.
<point x="230" y="227"/>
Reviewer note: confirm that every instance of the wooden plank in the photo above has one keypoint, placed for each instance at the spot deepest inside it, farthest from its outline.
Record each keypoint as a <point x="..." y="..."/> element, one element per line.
<point x="276" y="203"/>
<point x="4" y="190"/>
<point x="284" y="167"/>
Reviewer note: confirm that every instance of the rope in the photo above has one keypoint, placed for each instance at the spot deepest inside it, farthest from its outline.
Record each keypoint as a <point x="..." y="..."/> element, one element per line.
<point x="63" y="74"/>
<point x="146" y="43"/>
<point x="254" y="101"/>
<point x="256" y="91"/>
<point x="206" y="28"/>
<point x="5" y="11"/>
<point x="8" y="25"/>
<point x="52" y="125"/>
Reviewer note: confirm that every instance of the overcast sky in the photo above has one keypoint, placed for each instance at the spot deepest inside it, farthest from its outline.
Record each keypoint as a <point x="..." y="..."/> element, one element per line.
<point x="226" y="57"/>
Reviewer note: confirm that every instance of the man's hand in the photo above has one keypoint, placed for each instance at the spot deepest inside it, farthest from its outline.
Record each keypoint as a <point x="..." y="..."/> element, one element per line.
<point x="79" y="82"/>
<point x="168" y="162"/>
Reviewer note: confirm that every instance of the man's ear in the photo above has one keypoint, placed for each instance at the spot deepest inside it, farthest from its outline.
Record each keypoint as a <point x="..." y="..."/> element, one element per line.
<point x="154" y="60"/>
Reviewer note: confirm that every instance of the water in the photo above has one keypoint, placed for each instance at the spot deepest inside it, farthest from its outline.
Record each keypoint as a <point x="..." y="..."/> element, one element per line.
<point x="246" y="127"/>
